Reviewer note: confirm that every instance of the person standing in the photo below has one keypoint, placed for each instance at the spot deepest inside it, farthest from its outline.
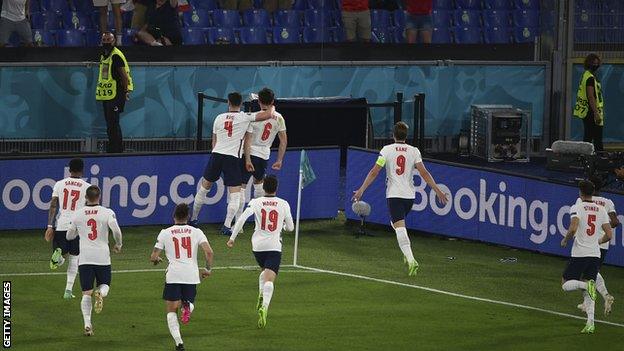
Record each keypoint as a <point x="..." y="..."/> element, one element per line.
<point x="113" y="89"/>
<point x="357" y="20"/>
<point x="102" y="6"/>
<point x="14" y="18"/>
<point x="589" y="103"/>
<point x="419" y="21"/>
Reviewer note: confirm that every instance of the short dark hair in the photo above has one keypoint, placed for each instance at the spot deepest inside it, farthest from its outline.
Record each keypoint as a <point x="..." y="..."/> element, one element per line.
<point x="400" y="131"/>
<point x="589" y="59"/>
<point x="181" y="211"/>
<point x="266" y="96"/>
<point x="76" y="165"/>
<point x="597" y="181"/>
<point x="586" y="187"/>
<point x="93" y="193"/>
<point x="270" y="184"/>
<point x="235" y="98"/>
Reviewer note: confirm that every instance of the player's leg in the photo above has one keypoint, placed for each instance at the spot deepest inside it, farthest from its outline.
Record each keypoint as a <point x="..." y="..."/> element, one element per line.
<point x="232" y="178"/>
<point x="571" y="279"/>
<point x="602" y="287"/>
<point x="102" y="6"/>
<point x="245" y="176"/>
<point x="172" y="294"/>
<point x="272" y="263"/>
<point x="260" y="166"/>
<point x="72" y="266"/>
<point x="60" y="248"/>
<point x="398" y="210"/>
<point x="103" y="278"/>
<point x="212" y="172"/>
<point x="260" y="258"/>
<point x="188" y="299"/>
<point x="116" y="5"/>
<point x="590" y="271"/>
<point x="87" y="276"/>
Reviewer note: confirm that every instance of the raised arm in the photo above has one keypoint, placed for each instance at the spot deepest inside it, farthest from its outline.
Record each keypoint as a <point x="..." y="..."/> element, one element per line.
<point x="266" y="114"/>
<point x="574" y="222"/>
<point x="426" y="176"/>
<point x="370" y="177"/>
<point x="283" y="139"/>
<point x="239" y="225"/>
<point x="49" y="233"/>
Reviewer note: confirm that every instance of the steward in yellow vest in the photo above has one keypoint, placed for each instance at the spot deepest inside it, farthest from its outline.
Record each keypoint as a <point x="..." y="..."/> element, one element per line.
<point x="589" y="104"/>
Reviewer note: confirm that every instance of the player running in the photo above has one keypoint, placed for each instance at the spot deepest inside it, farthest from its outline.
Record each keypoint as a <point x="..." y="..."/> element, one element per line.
<point x="92" y="224"/>
<point x="587" y="219"/>
<point x="69" y="193"/>
<point x="604" y="248"/>
<point x="401" y="162"/>
<point x="181" y="242"/>
<point x="228" y="133"/>
<point x="272" y="214"/>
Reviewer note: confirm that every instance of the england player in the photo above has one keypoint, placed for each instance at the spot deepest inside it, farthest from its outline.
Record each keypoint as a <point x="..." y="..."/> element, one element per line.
<point x="604" y="248"/>
<point x="180" y="243"/>
<point x="228" y="134"/>
<point x="587" y="219"/>
<point x="258" y="148"/>
<point x="401" y="162"/>
<point x="272" y="215"/>
<point x="92" y="224"/>
<point x="67" y="198"/>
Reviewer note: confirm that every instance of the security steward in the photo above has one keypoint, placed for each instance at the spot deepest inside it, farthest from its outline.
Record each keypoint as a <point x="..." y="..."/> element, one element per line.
<point x="113" y="89"/>
<point x="589" y="103"/>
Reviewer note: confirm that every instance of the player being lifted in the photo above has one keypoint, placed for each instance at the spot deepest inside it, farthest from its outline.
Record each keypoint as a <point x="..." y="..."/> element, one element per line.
<point x="258" y="148"/>
<point x="180" y="243"/>
<point x="401" y="162"/>
<point x="91" y="224"/>
<point x="586" y="222"/>
<point x="272" y="214"/>
<point x="228" y="133"/>
<point x="604" y="248"/>
<point x="68" y="196"/>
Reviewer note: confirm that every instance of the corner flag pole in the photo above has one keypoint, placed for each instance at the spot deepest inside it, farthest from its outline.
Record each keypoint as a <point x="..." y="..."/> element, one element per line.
<point x="297" y="218"/>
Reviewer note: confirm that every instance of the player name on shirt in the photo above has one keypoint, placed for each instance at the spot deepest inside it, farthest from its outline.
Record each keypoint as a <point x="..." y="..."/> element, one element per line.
<point x="401" y="149"/>
<point x="269" y="203"/>
<point x="91" y="212"/>
<point x="71" y="182"/>
<point x="180" y="230"/>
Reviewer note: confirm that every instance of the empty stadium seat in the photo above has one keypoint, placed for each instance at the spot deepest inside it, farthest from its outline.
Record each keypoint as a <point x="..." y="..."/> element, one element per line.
<point x="587" y="35"/>
<point x="441" y="35"/>
<point x="614" y="5"/>
<point x="287" y="18"/>
<point x="527" y="4"/>
<point x="193" y="36"/>
<point x="286" y="35"/>
<point x="76" y="20"/>
<point x="43" y="38"/>
<point x="317" y="18"/>
<point x="380" y="18"/>
<point x="35" y="6"/>
<point x="398" y="34"/>
<point x="70" y="38"/>
<point x="381" y="35"/>
<point x="204" y="4"/>
<point x="45" y="21"/>
<point x="525" y="35"/>
<point x="300" y="5"/>
<point x="468" y="4"/>
<point x="220" y="36"/>
<point x="93" y="38"/>
<point x="14" y="40"/>
<point x="498" y="4"/>
<point x="496" y="18"/>
<point x="586" y="19"/>
<point x="226" y="18"/>
<point x="467" y="18"/>
<point x="614" y="35"/>
<point x="316" y="35"/>
<point x="497" y="35"/>
<point x="443" y="4"/>
<point x="322" y="4"/>
<point x="197" y="18"/>
<point x="398" y="17"/>
<point x="468" y="35"/>
<point x="337" y="18"/>
<point x="84" y="7"/>
<point x="526" y="18"/>
<point x="253" y="35"/>
<point x="128" y="37"/>
<point x="58" y="6"/>
<point x="548" y="19"/>
<point x="339" y="35"/>
<point x="441" y="18"/>
<point x="256" y="18"/>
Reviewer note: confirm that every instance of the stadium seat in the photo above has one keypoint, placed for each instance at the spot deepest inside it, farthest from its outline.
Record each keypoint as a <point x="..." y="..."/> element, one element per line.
<point x="441" y="18"/>
<point x="77" y="20"/>
<point x="126" y="19"/>
<point x="70" y="38"/>
<point x="300" y="5"/>
<point x="253" y="35"/>
<point x="322" y="4"/>
<point x="43" y="38"/>
<point x="527" y="4"/>
<point x="93" y="38"/>
<point x="498" y="4"/>
<point x="614" y="35"/>
<point x="526" y="18"/>
<point x="613" y="19"/>
<point x="204" y="4"/>
<point x="548" y="19"/>
<point x="496" y="18"/>
<point x="58" y="6"/>
<point x="441" y="35"/>
<point x="398" y="34"/>
<point x="468" y="4"/>
<point x="258" y="4"/>
<point x="613" y="5"/>
<point x="468" y="35"/>
<point x="84" y="7"/>
<point x="443" y="4"/>
<point x="468" y="18"/>
<point x="14" y="40"/>
<point x="398" y="17"/>
<point x="316" y="35"/>
<point x="339" y="35"/>
<point x="380" y="18"/>
<point x="35" y="6"/>
<point x="497" y="35"/>
<point x="337" y="18"/>
<point x="128" y="37"/>
<point x="193" y="36"/>
<point x="198" y="18"/>
<point x="286" y="35"/>
<point x="256" y="18"/>
<point x="45" y="20"/>
<point x="226" y="18"/>
<point x="317" y="18"/>
<point x="586" y="19"/>
<point x="287" y="18"/>
<point x="381" y="35"/>
<point x="587" y="35"/>
<point x="525" y="35"/>
<point x="220" y="36"/>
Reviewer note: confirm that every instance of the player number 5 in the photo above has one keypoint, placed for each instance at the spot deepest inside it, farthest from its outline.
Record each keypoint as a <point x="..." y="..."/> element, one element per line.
<point x="591" y="219"/>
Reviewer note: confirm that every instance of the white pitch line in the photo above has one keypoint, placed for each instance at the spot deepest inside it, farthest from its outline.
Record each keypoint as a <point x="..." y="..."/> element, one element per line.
<point x="134" y="271"/>
<point x="392" y="282"/>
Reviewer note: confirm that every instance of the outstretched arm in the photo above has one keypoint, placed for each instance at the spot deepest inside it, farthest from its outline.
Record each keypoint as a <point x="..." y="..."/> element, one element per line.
<point x="426" y="176"/>
<point x="370" y="177"/>
<point x="266" y="114"/>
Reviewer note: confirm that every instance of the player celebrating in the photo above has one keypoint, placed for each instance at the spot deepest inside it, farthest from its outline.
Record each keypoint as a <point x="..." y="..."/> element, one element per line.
<point x="400" y="160"/>
<point x="180" y="243"/>
<point x="272" y="215"/>
<point x="70" y="192"/>
<point x="228" y="133"/>
<point x="604" y="248"/>
<point x="92" y="224"/>
<point x="586" y="220"/>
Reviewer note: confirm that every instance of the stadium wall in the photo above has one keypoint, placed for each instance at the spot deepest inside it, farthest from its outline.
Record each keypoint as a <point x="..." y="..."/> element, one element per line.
<point x="144" y="189"/>
<point x="485" y="206"/>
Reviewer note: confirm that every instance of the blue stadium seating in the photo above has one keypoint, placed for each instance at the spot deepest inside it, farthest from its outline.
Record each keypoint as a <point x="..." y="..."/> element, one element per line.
<point x="443" y="4"/>
<point x="35" y="5"/>
<point x="468" y="4"/>
<point x="496" y="18"/>
<point x="85" y="7"/>
<point x="441" y="35"/>
<point x="441" y="18"/>
<point x="45" y="20"/>
<point x="615" y="5"/>
<point x="204" y="4"/>
<point x="468" y="35"/>
<point x="317" y="18"/>
<point x="286" y="35"/>
<point x="527" y="4"/>
<point x="126" y="19"/>
<point x="398" y="34"/>
<point x="380" y="18"/>
<point x="317" y="35"/>
<point x="613" y="19"/>
<point x="43" y="38"/>
<point x="548" y="20"/>
<point x="467" y="18"/>
<point x="76" y="20"/>
<point x="525" y="35"/>
<point x="526" y="18"/>
<point x="70" y="38"/>
<point x="193" y="36"/>
<point x="197" y="18"/>
<point x="587" y="35"/>
<point x="498" y="4"/>
<point x="322" y="4"/>
<point x="220" y="36"/>
<point x="381" y="35"/>
<point x="586" y="19"/>
<point x="287" y="18"/>
<point x="339" y="34"/>
<point x="614" y="35"/>
<point x="398" y="17"/>
<point x="497" y="35"/>
<point x="300" y="5"/>
<point x="588" y="5"/>
<point x="253" y="35"/>
<point x="337" y="17"/>
<point x="93" y="38"/>
<point x="128" y="37"/>
<point x="226" y="19"/>
<point x="256" y="18"/>
<point x="58" y="6"/>
<point x="14" y="40"/>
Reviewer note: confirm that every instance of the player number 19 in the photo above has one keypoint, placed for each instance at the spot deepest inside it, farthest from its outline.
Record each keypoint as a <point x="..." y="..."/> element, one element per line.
<point x="272" y="217"/>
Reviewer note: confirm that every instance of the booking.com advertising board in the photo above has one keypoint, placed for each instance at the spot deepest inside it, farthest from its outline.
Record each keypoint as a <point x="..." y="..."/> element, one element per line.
<point x="484" y="206"/>
<point x="143" y="190"/>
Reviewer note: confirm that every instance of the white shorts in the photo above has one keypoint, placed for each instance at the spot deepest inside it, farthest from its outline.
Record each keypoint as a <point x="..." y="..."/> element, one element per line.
<point x="102" y="3"/>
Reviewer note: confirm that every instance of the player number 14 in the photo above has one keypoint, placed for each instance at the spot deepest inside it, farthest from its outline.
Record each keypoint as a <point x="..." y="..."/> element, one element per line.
<point x="186" y="244"/>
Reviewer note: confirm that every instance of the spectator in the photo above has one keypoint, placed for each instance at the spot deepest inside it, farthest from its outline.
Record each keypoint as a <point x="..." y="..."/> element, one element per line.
<point x="102" y="6"/>
<point x="162" y="27"/>
<point x="138" y="16"/>
<point x="272" y="5"/>
<point x="238" y="5"/>
<point x="15" y="18"/>
<point x="356" y="20"/>
<point x="418" y="21"/>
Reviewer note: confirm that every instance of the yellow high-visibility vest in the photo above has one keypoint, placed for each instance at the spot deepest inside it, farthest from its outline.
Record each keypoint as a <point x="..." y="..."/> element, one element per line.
<point x="581" y="108"/>
<point x="107" y="86"/>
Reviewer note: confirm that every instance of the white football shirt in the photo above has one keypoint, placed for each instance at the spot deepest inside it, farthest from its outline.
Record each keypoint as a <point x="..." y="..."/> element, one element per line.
<point x="230" y="129"/>
<point x="608" y="205"/>
<point x="400" y="161"/>
<point x="591" y="218"/>
<point x="71" y="196"/>
<point x="272" y="215"/>
<point x="264" y="133"/>
<point x="91" y="224"/>
<point x="181" y="246"/>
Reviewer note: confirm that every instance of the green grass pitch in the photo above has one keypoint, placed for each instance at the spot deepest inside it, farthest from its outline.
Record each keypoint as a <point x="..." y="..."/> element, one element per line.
<point x="314" y="310"/>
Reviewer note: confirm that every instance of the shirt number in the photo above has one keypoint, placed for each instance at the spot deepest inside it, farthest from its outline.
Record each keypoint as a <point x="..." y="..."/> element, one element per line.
<point x="186" y="244"/>
<point x="272" y="220"/>
<point x="400" y="161"/>
<point x="266" y="132"/>
<point x="75" y="195"/>
<point x="93" y="224"/>
<point x="229" y="125"/>
<point x="591" y="219"/>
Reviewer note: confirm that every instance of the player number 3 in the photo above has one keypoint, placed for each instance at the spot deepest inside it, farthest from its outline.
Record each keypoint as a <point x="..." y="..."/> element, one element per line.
<point x="93" y="224"/>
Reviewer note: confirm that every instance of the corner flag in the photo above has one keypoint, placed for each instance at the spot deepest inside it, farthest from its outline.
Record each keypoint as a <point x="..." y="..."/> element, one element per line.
<point x="307" y="173"/>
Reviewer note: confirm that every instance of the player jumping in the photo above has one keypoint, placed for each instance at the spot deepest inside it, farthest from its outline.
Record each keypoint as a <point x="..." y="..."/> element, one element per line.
<point x="272" y="214"/>
<point x="587" y="219"/>
<point x="228" y="133"/>
<point x="91" y="224"/>
<point x="181" y="242"/>
<point x="401" y="162"/>
<point x="69" y="194"/>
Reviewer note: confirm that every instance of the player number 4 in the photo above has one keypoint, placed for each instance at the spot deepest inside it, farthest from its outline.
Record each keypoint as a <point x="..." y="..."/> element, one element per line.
<point x="229" y="125"/>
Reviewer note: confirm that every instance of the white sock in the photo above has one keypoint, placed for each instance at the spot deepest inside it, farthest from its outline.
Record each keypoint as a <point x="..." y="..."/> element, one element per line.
<point x="174" y="327"/>
<point x="241" y="205"/>
<point x="258" y="190"/>
<point x="61" y="261"/>
<point x="232" y="208"/>
<point x="191" y="306"/>
<point x="72" y="270"/>
<point x="267" y="293"/>
<point x="104" y="289"/>
<point x="199" y="201"/>
<point x="85" y="306"/>
<point x="404" y="243"/>
<point x="572" y="285"/>
<point x="261" y="281"/>
<point x="590" y="306"/>
<point x="601" y="287"/>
